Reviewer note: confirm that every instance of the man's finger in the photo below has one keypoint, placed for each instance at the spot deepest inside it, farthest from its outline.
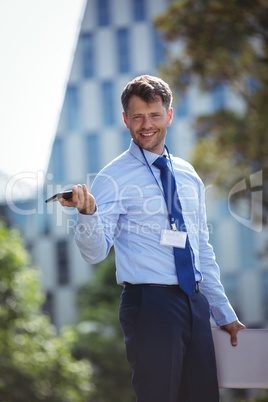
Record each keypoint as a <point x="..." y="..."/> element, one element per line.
<point x="233" y="329"/>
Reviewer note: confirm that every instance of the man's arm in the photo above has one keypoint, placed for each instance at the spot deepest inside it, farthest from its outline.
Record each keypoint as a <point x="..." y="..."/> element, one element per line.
<point x="96" y="220"/>
<point x="221" y="310"/>
<point x="90" y="238"/>
<point x="81" y="199"/>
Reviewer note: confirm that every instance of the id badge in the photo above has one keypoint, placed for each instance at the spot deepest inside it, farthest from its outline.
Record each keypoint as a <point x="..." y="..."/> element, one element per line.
<point x="173" y="238"/>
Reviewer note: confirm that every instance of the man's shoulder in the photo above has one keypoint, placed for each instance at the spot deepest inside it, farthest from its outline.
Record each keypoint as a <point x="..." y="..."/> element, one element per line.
<point x="180" y="163"/>
<point x="119" y="162"/>
<point x="119" y="169"/>
<point x="113" y="177"/>
<point x="184" y="169"/>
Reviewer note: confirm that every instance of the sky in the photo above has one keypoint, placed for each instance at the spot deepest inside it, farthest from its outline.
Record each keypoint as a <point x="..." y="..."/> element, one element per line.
<point x="37" y="42"/>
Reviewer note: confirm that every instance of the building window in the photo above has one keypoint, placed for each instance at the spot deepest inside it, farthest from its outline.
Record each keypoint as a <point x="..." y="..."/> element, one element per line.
<point x="48" y="306"/>
<point x="139" y="12"/>
<point x="125" y="140"/>
<point x="123" y="50"/>
<point x="218" y="98"/>
<point x="182" y="107"/>
<point x="43" y="223"/>
<point x="264" y="284"/>
<point x="92" y="153"/>
<point x="62" y="262"/>
<point x="87" y="42"/>
<point x="72" y="107"/>
<point x="253" y="84"/>
<point x="169" y="138"/>
<point x="230" y="282"/>
<point x="57" y="158"/>
<point x="103" y="12"/>
<point x="159" y="48"/>
<point x="108" y="103"/>
<point x="247" y="248"/>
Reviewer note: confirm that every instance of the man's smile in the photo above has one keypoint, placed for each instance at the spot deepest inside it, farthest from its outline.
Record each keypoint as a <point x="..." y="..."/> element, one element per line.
<point x="148" y="134"/>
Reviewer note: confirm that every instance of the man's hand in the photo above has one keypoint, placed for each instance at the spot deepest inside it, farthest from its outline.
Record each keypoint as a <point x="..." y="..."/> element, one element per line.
<point x="233" y="329"/>
<point x="81" y="199"/>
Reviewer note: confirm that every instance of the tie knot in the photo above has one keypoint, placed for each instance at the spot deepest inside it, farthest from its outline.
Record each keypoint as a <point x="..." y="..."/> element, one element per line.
<point x="160" y="163"/>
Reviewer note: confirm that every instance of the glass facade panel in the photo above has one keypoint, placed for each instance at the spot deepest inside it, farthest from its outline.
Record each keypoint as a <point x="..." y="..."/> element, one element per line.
<point x="108" y="103"/>
<point x="49" y="306"/>
<point x="125" y="140"/>
<point x="123" y="50"/>
<point x="218" y="98"/>
<point x="72" y="106"/>
<point x="43" y="223"/>
<point x="248" y="259"/>
<point x="57" y="161"/>
<point x="231" y="282"/>
<point x="264" y="283"/>
<point x="182" y="107"/>
<point x="92" y="153"/>
<point x="103" y="12"/>
<point x="169" y="139"/>
<point x="63" y="274"/>
<point x="22" y="216"/>
<point x="159" y="48"/>
<point x="139" y="12"/>
<point x="87" y="41"/>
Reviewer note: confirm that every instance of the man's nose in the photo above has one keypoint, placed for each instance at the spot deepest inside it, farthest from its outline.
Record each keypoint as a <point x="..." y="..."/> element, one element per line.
<point x="146" y="122"/>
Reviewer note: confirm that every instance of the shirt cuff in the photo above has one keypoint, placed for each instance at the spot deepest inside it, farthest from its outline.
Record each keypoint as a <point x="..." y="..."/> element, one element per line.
<point x="223" y="313"/>
<point x="88" y="225"/>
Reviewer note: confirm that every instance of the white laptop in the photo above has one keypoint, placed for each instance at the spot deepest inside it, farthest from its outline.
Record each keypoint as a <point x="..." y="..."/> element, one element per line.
<point x="243" y="366"/>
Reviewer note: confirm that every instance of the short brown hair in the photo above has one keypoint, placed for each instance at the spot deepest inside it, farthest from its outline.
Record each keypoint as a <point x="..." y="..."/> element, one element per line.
<point x="147" y="87"/>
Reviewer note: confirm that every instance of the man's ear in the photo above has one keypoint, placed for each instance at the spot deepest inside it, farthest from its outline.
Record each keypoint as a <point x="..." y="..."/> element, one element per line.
<point x="125" y="119"/>
<point x="170" y="116"/>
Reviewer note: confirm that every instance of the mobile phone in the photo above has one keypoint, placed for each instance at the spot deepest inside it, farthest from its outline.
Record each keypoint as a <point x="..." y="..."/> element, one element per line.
<point x="67" y="195"/>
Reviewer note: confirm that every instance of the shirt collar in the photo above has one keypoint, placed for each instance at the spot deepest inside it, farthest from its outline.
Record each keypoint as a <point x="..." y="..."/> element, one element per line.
<point x="150" y="156"/>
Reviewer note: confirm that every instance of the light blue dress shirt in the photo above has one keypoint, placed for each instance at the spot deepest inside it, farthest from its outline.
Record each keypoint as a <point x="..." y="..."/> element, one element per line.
<point x="131" y="214"/>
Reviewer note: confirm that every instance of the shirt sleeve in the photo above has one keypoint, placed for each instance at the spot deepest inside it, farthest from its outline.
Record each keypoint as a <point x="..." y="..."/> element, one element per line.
<point x="89" y="236"/>
<point x="95" y="233"/>
<point x="211" y="286"/>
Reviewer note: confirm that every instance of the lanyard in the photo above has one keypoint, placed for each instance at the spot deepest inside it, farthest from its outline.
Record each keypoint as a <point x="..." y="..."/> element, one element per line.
<point x="171" y="213"/>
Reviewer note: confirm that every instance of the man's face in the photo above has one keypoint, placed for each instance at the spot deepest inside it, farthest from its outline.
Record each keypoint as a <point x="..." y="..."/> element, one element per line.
<point x="147" y="123"/>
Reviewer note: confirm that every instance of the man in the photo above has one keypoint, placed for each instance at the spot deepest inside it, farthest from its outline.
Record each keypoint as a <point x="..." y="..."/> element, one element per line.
<point x="150" y="205"/>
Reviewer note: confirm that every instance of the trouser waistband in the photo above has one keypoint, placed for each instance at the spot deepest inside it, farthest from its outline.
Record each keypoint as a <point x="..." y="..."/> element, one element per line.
<point x="128" y="285"/>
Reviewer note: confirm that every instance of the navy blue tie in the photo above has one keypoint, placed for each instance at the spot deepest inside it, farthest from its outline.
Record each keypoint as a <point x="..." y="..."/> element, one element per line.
<point x="183" y="256"/>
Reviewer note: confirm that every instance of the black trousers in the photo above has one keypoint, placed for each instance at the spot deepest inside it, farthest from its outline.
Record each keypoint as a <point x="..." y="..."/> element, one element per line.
<point x="169" y="344"/>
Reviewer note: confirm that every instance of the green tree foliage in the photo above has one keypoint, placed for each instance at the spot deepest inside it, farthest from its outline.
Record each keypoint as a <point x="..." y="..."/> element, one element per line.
<point x="225" y="43"/>
<point x="100" y="336"/>
<point x="36" y="364"/>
